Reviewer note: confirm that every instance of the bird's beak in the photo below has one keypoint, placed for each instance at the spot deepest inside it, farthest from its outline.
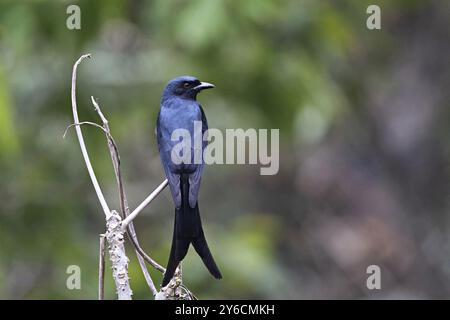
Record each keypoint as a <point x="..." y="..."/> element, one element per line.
<point x="204" y="85"/>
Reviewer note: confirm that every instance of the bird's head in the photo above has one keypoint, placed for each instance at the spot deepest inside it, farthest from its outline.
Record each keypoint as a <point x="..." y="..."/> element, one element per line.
<point x="186" y="87"/>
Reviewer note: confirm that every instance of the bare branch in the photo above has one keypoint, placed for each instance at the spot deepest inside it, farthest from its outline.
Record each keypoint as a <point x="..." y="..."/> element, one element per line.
<point x="101" y="269"/>
<point x="82" y="123"/>
<point x="146" y="257"/>
<point x="100" y="113"/>
<point x="145" y="203"/>
<point x="114" y="233"/>
<point x="119" y="260"/>
<point x="98" y="191"/>
<point x="147" y="276"/>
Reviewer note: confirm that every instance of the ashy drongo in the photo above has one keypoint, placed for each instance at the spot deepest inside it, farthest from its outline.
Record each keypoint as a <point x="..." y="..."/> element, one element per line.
<point x="179" y="109"/>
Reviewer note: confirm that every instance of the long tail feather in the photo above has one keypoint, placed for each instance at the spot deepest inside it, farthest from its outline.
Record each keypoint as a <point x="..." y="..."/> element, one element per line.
<point x="188" y="229"/>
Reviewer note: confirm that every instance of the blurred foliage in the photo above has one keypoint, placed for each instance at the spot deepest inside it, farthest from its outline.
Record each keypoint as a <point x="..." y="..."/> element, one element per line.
<point x="363" y="117"/>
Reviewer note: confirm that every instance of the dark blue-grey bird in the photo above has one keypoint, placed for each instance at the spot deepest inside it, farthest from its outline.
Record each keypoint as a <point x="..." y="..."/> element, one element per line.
<point x="179" y="109"/>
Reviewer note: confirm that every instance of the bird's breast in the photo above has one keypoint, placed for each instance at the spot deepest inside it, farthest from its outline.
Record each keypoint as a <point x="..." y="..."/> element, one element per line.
<point x="178" y="116"/>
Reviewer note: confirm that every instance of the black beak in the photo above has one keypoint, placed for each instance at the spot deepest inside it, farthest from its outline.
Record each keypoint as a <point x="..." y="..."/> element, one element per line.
<point x="204" y="85"/>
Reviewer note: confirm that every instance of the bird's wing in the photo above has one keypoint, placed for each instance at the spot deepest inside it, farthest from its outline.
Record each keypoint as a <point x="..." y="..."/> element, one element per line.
<point x="195" y="177"/>
<point x="173" y="178"/>
<point x="174" y="183"/>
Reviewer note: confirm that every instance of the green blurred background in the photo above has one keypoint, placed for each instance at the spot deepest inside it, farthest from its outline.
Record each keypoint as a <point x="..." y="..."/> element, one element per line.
<point x="364" y="151"/>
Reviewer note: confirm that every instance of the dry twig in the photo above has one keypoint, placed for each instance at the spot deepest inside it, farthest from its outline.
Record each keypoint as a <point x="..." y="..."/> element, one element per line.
<point x="101" y="268"/>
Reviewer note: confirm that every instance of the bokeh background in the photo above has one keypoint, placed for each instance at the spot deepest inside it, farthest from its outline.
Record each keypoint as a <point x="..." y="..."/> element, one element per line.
<point x="364" y="148"/>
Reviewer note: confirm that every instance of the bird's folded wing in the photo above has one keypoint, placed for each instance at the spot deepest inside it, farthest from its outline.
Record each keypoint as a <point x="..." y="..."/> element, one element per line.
<point x="174" y="184"/>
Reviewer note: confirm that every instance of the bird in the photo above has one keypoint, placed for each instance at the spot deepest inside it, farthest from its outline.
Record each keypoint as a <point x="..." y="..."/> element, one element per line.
<point x="179" y="109"/>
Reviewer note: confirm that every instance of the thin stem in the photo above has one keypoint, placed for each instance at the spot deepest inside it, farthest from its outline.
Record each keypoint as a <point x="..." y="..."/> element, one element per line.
<point x="84" y="152"/>
<point x="101" y="269"/>
<point x="144" y="203"/>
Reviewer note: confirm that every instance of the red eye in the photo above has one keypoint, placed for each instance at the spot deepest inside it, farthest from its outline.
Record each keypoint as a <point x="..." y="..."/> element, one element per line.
<point x="186" y="84"/>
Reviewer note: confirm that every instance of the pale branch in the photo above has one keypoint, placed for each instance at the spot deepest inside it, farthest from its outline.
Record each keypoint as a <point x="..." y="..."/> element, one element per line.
<point x="84" y="152"/>
<point x="144" y="203"/>
<point x="101" y="268"/>
<point x="83" y="123"/>
<point x="119" y="260"/>
<point x="145" y="256"/>
<point x="114" y="233"/>
<point x="147" y="276"/>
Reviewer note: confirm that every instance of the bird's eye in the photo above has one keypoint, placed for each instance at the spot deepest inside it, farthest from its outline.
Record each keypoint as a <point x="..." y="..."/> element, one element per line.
<point x="186" y="84"/>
